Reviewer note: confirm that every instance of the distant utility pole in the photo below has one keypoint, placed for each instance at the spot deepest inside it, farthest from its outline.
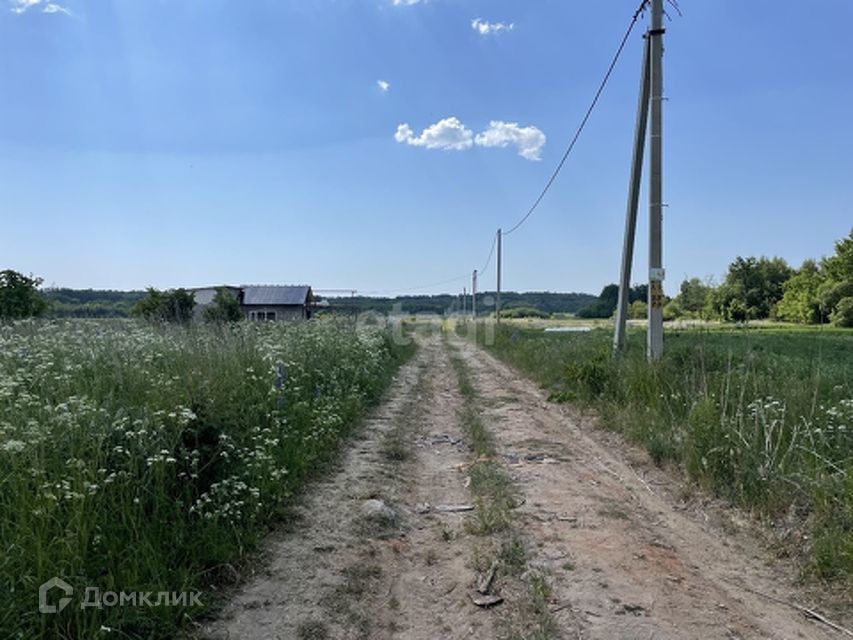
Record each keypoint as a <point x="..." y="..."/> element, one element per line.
<point x="474" y="295"/>
<point x="651" y="99"/>
<point x="498" y="303"/>
<point x="464" y="299"/>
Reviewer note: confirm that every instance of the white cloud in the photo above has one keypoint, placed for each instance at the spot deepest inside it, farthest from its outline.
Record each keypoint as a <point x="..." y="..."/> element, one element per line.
<point x="20" y="6"/>
<point x="527" y="140"/>
<point x="451" y="134"/>
<point x="384" y="85"/>
<point x="447" y="134"/>
<point x="407" y="3"/>
<point x="485" y="28"/>
<point x="55" y="8"/>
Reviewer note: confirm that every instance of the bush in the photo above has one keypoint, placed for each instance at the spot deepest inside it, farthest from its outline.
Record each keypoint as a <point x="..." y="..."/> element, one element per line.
<point x="638" y="310"/>
<point x="523" y="312"/>
<point x="170" y="306"/>
<point x="224" y="308"/>
<point x="19" y="296"/>
<point x="843" y="314"/>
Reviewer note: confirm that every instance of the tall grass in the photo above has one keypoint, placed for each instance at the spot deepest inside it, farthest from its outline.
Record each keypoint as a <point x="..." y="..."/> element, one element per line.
<point x="761" y="417"/>
<point x="143" y="459"/>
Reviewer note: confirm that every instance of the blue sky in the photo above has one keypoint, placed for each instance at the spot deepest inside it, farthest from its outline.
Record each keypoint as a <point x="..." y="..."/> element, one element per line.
<point x="190" y="142"/>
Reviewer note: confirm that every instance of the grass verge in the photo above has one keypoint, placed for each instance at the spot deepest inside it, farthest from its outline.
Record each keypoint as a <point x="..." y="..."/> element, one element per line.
<point x="142" y="459"/>
<point x="762" y="417"/>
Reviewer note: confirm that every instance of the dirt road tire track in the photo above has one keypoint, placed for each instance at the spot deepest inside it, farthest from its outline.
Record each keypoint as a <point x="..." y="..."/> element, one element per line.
<point x="624" y="561"/>
<point x="332" y="576"/>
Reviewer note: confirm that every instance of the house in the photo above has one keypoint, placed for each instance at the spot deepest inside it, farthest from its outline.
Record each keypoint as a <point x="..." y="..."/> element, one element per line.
<point x="263" y="302"/>
<point x="277" y="302"/>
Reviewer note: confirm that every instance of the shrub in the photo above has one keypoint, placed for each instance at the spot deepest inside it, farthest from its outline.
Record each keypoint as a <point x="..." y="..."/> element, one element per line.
<point x="19" y="296"/>
<point x="523" y="312"/>
<point x="843" y="314"/>
<point x="170" y="306"/>
<point x="224" y="308"/>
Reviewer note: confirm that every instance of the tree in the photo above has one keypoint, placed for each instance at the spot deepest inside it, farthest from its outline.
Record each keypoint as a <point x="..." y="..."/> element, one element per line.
<point x="19" y="296"/>
<point x="831" y="293"/>
<point x="224" y="308"/>
<point x="693" y="297"/>
<point x="752" y="288"/>
<point x="175" y="305"/>
<point x="605" y="305"/>
<point x="638" y="292"/>
<point x="843" y="314"/>
<point x="801" y="302"/>
<point x="672" y="310"/>
<point x="840" y="266"/>
<point x="639" y="310"/>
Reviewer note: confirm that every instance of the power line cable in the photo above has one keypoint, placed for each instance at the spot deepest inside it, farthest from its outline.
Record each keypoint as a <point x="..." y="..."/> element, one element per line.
<point x="491" y="253"/>
<point x="556" y="172"/>
<point x="418" y="288"/>
<point x="585" y="119"/>
<point x="436" y="284"/>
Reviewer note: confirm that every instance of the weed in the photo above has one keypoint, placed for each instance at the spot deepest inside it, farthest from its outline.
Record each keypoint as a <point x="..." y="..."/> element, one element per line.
<point x="358" y="579"/>
<point x="513" y="555"/>
<point x="495" y="498"/>
<point x="147" y="458"/>
<point x="762" y="417"/>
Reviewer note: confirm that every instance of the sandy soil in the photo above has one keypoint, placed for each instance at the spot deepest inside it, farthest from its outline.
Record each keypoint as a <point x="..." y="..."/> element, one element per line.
<point x="625" y="556"/>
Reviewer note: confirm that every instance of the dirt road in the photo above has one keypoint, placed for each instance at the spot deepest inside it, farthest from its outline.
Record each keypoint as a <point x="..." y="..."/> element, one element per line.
<point x="379" y="549"/>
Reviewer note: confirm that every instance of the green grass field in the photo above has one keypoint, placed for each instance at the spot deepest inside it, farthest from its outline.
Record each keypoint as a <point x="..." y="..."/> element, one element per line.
<point x="761" y="416"/>
<point x="145" y="459"/>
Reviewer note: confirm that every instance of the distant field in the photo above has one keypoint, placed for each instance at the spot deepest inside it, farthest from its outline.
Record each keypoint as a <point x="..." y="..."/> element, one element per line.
<point x="762" y="415"/>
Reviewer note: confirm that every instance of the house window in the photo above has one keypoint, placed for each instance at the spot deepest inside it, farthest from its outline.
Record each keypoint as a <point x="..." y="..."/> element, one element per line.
<point x="270" y="315"/>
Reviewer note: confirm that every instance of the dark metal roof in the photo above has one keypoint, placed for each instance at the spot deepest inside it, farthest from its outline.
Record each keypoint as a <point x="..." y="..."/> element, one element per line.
<point x="276" y="295"/>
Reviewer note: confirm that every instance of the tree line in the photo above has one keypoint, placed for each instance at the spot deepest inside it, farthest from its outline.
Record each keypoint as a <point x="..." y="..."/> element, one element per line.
<point x="537" y="302"/>
<point x="820" y="291"/>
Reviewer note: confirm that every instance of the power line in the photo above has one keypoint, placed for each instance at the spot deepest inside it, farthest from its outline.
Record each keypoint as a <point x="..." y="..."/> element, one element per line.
<point x="436" y="284"/>
<point x="419" y="287"/>
<point x="585" y="118"/>
<point x="556" y="172"/>
<point x="491" y="253"/>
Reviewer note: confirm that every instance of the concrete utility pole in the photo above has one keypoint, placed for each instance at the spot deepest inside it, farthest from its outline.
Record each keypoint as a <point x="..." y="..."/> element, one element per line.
<point x="474" y="295"/>
<point x="654" y="345"/>
<point x="464" y="299"/>
<point x="633" y="202"/>
<point x="498" y="303"/>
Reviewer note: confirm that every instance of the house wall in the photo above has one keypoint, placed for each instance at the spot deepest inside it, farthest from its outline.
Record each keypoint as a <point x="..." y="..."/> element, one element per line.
<point x="282" y="312"/>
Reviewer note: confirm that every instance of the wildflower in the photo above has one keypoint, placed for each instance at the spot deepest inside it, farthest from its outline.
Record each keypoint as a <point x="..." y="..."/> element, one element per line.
<point x="13" y="446"/>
